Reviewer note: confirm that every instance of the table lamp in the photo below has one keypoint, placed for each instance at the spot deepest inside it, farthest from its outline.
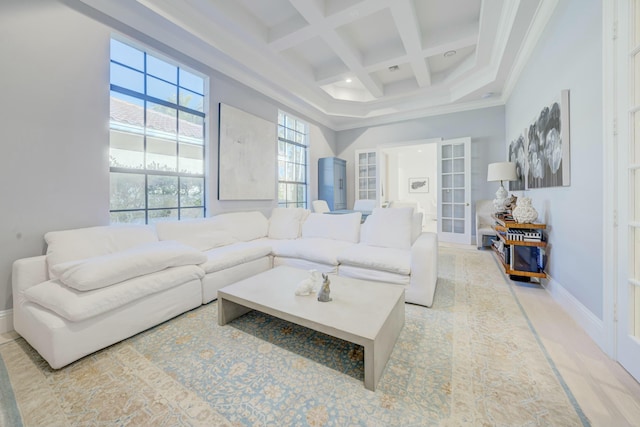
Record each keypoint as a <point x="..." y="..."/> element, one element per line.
<point x="501" y="171"/>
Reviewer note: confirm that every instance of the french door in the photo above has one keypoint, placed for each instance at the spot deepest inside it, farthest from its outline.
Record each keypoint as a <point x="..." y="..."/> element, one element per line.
<point x="454" y="185"/>
<point x="627" y="183"/>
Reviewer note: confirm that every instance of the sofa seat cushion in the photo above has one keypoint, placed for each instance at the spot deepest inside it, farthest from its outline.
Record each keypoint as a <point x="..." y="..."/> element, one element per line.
<point x="316" y="249"/>
<point x="385" y="259"/>
<point x="77" y="305"/>
<point x="106" y="270"/>
<point x="235" y="254"/>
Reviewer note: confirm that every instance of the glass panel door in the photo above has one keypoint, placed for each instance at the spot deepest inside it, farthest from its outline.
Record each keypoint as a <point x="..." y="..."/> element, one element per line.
<point x="366" y="170"/>
<point x="454" y="211"/>
<point x="628" y="298"/>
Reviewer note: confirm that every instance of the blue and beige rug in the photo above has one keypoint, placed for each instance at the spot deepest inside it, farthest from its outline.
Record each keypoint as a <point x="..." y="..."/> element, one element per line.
<point x="473" y="359"/>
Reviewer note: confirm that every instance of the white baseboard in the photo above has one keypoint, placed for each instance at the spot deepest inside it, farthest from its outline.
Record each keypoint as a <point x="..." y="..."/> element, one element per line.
<point x="6" y="321"/>
<point x="593" y="326"/>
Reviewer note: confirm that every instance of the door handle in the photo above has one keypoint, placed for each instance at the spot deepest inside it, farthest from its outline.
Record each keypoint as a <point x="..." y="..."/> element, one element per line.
<point x="340" y="183"/>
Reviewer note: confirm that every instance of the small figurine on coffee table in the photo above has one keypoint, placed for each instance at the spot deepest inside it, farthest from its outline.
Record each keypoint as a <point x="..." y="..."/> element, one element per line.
<point x="323" y="293"/>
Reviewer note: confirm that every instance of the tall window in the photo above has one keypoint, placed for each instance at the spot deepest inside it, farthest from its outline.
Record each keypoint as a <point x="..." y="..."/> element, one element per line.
<point x="293" y="136"/>
<point x="157" y="144"/>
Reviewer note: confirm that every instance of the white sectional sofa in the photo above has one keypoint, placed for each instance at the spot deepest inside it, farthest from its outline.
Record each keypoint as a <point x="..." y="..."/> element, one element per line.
<point x="99" y="285"/>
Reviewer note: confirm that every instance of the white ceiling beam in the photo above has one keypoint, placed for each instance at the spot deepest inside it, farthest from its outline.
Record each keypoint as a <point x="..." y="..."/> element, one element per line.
<point x="459" y="43"/>
<point x="489" y="24"/>
<point x="334" y="21"/>
<point x="292" y="39"/>
<point x="404" y="15"/>
<point x="352" y="59"/>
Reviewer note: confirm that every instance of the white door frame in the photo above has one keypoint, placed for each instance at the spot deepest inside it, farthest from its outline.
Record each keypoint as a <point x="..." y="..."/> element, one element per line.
<point x="617" y="85"/>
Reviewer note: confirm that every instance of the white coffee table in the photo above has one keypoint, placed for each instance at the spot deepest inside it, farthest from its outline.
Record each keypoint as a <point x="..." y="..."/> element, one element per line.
<point x="370" y="314"/>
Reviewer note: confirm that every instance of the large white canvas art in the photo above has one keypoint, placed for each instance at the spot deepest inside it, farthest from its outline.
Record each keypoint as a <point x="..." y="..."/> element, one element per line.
<point x="246" y="156"/>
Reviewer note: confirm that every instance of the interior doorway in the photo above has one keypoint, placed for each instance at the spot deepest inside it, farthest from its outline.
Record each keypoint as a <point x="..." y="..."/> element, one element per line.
<point x="408" y="177"/>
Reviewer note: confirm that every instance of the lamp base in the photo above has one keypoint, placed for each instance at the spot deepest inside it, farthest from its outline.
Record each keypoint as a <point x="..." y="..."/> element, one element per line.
<point x="501" y="200"/>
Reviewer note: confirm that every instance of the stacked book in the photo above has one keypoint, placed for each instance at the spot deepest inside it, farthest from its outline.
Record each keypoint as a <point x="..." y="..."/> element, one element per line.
<point x="503" y="250"/>
<point x="524" y="235"/>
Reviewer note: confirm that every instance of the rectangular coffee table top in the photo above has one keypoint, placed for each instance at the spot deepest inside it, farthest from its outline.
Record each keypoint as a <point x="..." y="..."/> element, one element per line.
<point x="366" y="313"/>
<point x="358" y="308"/>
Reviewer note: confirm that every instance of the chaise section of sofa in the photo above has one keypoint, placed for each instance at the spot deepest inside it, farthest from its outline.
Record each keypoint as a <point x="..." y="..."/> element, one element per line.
<point x="97" y="286"/>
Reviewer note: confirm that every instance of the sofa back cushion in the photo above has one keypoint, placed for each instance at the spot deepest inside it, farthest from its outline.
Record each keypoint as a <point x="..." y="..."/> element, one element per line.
<point x="285" y="223"/>
<point x="106" y="270"/>
<point x="81" y="243"/>
<point x="244" y="226"/>
<point x="389" y="228"/>
<point x="202" y="234"/>
<point x="333" y="226"/>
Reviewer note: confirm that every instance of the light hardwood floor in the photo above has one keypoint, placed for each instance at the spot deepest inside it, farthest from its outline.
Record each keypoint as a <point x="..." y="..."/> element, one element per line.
<point x="607" y="394"/>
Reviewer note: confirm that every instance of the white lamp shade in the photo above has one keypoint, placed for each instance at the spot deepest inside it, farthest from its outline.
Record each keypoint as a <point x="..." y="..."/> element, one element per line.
<point x="502" y="171"/>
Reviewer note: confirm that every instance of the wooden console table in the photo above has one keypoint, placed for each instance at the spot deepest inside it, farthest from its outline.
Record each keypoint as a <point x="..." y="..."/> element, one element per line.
<point x="503" y="229"/>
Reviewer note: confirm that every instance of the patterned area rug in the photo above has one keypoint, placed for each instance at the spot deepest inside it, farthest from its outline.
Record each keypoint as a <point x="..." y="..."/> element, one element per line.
<point x="473" y="359"/>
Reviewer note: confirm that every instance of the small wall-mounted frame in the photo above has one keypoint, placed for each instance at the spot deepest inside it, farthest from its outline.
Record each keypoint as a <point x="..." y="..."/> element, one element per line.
<point x="418" y="185"/>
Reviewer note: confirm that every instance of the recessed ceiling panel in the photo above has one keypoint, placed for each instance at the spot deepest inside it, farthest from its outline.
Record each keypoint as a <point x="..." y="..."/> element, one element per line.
<point x="316" y="54"/>
<point x="353" y="90"/>
<point x="332" y="7"/>
<point x="394" y="73"/>
<point x="443" y="20"/>
<point x="441" y="64"/>
<point x="375" y="37"/>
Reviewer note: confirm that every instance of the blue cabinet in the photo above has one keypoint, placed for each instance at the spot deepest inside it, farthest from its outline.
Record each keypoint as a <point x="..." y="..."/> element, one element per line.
<point x="332" y="182"/>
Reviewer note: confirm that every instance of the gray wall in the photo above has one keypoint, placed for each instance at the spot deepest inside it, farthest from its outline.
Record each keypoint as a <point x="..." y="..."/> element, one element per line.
<point x="485" y="127"/>
<point x="55" y="118"/>
<point x="569" y="56"/>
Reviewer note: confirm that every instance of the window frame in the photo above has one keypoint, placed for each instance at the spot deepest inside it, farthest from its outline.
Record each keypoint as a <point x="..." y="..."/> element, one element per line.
<point x="300" y="130"/>
<point x="145" y="132"/>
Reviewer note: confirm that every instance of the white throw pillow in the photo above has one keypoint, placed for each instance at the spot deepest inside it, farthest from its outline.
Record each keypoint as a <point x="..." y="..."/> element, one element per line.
<point x="284" y="223"/>
<point x="81" y="243"/>
<point x="333" y="226"/>
<point x="202" y="234"/>
<point x="389" y="228"/>
<point x="101" y="271"/>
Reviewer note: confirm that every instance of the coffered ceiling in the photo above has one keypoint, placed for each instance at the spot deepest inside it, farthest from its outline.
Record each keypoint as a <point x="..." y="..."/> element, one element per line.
<point x="350" y="63"/>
